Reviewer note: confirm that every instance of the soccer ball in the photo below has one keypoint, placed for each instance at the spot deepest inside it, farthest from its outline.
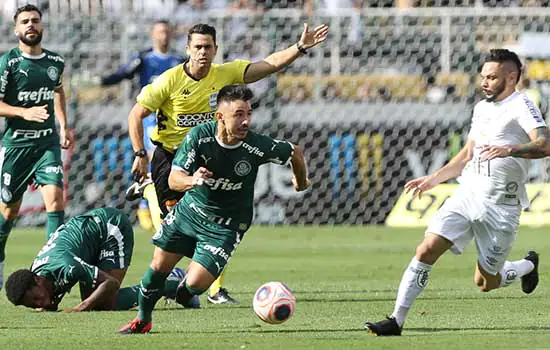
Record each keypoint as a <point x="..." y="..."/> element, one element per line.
<point x="274" y="303"/>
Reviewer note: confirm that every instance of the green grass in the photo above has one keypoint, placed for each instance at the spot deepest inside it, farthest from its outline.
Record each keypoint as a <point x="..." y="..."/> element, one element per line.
<point x="341" y="276"/>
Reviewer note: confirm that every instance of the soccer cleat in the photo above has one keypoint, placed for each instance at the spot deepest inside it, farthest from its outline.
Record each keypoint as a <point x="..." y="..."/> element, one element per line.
<point x="136" y="326"/>
<point x="178" y="275"/>
<point x="530" y="281"/>
<point x="1" y="274"/>
<point x="135" y="191"/>
<point x="222" y="297"/>
<point x="387" y="327"/>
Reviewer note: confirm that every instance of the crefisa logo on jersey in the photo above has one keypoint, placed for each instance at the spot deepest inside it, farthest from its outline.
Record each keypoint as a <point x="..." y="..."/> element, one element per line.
<point x="242" y="168"/>
<point x="53" y="73"/>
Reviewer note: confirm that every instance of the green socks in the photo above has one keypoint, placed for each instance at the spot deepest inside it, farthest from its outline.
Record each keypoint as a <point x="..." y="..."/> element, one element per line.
<point x="55" y="219"/>
<point x="5" y="229"/>
<point x="151" y="290"/>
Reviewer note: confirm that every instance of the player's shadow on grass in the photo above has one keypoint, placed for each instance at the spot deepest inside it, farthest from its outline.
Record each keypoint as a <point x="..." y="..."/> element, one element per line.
<point x="457" y="329"/>
<point x="392" y="298"/>
<point x="260" y="330"/>
<point x="26" y="327"/>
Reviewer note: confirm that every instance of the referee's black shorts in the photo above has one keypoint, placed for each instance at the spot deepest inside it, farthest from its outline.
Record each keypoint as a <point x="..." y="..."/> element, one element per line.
<point x="161" y="165"/>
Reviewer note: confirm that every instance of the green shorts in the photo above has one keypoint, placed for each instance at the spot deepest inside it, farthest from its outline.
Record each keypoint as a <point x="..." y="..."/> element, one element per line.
<point x="22" y="165"/>
<point x="116" y="250"/>
<point x="206" y="242"/>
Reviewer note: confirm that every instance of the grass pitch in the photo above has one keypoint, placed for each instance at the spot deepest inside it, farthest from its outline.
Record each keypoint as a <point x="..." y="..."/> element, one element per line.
<point x="341" y="277"/>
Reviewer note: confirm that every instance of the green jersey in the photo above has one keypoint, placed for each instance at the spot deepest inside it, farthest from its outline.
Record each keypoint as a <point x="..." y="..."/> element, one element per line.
<point x="75" y="252"/>
<point x="227" y="197"/>
<point x="29" y="81"/>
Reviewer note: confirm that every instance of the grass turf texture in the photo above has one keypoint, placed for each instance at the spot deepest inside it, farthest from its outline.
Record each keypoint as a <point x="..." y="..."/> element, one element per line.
<point x="341" y="277"/>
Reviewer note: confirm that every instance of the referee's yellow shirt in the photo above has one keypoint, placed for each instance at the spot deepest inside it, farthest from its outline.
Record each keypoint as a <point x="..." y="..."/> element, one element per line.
<point x="182" y="102"/>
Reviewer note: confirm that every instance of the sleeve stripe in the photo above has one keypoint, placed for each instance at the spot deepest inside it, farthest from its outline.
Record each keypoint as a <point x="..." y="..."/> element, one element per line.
<point x="175" y="167"/>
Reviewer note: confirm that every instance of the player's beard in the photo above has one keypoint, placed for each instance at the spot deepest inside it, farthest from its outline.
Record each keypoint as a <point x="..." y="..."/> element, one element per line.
<point x="498" y="91"/>
<point x="31" y="42"/>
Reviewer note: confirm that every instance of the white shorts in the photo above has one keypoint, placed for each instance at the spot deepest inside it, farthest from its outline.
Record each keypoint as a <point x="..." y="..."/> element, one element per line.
<point x="464" y="217"/>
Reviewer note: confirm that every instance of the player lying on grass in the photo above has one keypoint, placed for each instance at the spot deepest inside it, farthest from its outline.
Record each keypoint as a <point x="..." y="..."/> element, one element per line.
<point x="216" y="164"/>
<point x="94" y="250"/>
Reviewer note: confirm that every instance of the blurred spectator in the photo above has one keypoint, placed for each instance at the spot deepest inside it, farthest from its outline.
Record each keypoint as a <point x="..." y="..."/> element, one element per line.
<point x="535" y="94"/>
<point x="384" y="94"/>
<point x="187" y="14"/>
<point x="331" y="92"/>
<point x="252" y="48"/>
<point x="242" y="12"/>
<point x="363" y="92"/>
<point x="434" y="92"/>
<point x="356" y="28"/>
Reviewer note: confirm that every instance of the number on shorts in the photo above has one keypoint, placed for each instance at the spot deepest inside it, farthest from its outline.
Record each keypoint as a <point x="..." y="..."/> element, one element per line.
<point x="7" y="179"/>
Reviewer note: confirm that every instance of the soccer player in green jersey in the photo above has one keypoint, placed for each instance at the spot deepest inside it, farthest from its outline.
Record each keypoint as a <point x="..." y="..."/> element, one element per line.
<point x="216" y="165"/>
<point x="31" y="93"/>
<point x="94" y="250"/>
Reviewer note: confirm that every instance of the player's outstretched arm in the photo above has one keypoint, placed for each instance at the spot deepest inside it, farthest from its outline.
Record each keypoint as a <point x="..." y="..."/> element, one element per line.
<point x="135" y="130"/>
<point x="449" y="171"/>
<point x="181" y="182"/>
<point x="538" y="147"/>
<point x="103" y="297"/>
<point x="299" y="170"/>
<point x="280" y="59"/>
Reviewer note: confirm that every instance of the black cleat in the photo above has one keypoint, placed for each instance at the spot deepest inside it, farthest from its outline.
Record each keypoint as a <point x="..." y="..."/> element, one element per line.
<point x="135" y="191"/>
<point x="530" y="281"/>
<point x="222" y="297"/>
<point x="387" y="327"/>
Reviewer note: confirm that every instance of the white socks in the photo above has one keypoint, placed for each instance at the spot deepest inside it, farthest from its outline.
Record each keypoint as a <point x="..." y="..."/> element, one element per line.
<point x="514" y="270"/>
<point x="414" y="280"/>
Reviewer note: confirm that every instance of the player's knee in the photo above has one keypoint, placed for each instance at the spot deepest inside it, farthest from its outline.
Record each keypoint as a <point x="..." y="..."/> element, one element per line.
<point x="425" y="254"/>
<point x="196" y="283"/>
<point x="488" y="285"/>
<point x="9" y="212"/>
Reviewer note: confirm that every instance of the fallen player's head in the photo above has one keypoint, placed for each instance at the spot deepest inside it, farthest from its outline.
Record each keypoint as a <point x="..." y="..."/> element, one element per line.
<point x="235" y="109"/>
<point x="26" y="288"/>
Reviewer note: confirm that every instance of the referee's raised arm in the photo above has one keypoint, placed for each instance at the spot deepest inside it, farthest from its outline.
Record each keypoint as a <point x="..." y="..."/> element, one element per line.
<point x="280" y="59"/>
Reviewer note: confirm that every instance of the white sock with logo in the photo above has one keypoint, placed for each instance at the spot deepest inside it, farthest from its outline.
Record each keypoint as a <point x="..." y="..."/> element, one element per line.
<point x="514" y="270"/>
<point x="414" y="280"/>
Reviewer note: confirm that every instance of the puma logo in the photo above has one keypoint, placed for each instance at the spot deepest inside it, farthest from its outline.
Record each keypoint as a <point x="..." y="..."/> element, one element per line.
<point x="205" y="159"/>
<point x="26" y="72"/>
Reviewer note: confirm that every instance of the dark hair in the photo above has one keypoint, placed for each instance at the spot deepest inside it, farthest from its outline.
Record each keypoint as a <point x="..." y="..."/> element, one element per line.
<point x="505" y="55"/>
<point x="162" y="21"/>
<point x="26" y="8"/>
<point x="18" y="284"/>
<point x="230" y="93"/>
<point x="202" y="28"/>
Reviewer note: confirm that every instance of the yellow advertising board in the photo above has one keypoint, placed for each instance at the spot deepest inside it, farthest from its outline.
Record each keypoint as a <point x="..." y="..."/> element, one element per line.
<point x="409" y="212"/>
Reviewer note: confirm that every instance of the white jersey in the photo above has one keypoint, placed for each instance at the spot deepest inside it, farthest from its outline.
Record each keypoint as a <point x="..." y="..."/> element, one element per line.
<point x="507" y="122"/>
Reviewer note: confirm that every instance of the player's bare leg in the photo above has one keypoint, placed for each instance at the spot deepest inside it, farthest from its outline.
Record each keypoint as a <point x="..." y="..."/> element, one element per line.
<point x="414" y="280"/>
<point x="525" y="269"/>
<point x="152" y="287"/>
<point x="197" y="281"/>
<point x="8" y="214"/>
<point x="55" y="207"/>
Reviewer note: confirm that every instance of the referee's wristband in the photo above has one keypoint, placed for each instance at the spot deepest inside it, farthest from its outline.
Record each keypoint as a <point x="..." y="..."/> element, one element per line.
<point x="301" y="48"/>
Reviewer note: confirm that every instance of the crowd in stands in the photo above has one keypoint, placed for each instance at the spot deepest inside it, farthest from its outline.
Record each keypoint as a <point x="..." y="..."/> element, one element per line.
<point x="188" y="9"/>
